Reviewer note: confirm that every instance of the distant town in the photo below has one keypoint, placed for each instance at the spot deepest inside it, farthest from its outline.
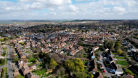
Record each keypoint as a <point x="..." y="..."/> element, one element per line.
<point x="69" y="49"/>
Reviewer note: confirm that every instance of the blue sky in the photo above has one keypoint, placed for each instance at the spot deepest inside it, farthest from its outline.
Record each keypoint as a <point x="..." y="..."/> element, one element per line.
<point x="68" y="9"/>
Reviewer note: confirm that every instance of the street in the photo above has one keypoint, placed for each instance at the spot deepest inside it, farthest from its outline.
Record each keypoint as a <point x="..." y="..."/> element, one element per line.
<point x="9" y="65"/>
<point x="9" y="69"/>
<point x="106" y="72"/>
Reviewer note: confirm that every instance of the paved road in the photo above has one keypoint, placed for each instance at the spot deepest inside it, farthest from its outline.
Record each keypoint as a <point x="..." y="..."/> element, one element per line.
<point x="10" y="70"/>
<point x="106" y="72"/>
<point x="9" y="66"/>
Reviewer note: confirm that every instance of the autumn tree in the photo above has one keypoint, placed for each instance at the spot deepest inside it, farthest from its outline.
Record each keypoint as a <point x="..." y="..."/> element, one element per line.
<point x="74" y="65"/>
<point x="52" y="64"/>
<point x="117" y="45"/>
<point x="119" y="51"/>
<point x="80" y="75"/>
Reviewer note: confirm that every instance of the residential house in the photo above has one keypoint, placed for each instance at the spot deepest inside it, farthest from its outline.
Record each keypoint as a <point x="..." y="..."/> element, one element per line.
<point x="95" y="48"/>
<point x="127" y="76"/>
<point x="22" y="62"/>
<point x="73" y="52"/>
<point x="30" y="75"/>
<point x="46" y="50"/>
<point x="119" y="71"/>
<point x="24" y="70"/>
<point x="100" y="75"/>
<point x="135" y="55"/>
<point x="32" y="67"/>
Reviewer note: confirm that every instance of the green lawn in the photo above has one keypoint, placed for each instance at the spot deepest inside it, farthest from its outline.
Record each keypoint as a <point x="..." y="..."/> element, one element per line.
<point x="3" y="71"/>
<point x="20" y="76"/>
<point x="114" y="53"/>
<point x="122" y="62"/>
<point x="119" y="57"/>
<point x="129" y="71"/>
<point x="27" y="52"/>
<point x="6" y="60"/>
<point x="6" y="73"/>
<point x="39" y="71"/>
<point x="46" y="75"/>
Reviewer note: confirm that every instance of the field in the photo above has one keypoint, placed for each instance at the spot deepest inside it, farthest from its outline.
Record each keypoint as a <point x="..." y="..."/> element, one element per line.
<point x="119" y="57"/>
<point x="122" y="62"/>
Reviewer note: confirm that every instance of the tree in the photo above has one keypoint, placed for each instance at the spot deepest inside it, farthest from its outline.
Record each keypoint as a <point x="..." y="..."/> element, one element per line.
<point x="52" y="64"/>
<point x="109" y="44"/>
<point x="82" y="39"/>
<point x="15" y="60"/>
<point x="70" y="65"/>
<point x="2" y="61"/>
<point x="79" y="66"/>
<point x="91" y="75"/>
<point x="119" y="51"/>
<point x="74" y="65"/>
<point x="80" y="75"/>
<point x="55" y="57"/>
<point x="117" y="45"/>
<point x="61" y="71"/>
<point x="36" y="56"/>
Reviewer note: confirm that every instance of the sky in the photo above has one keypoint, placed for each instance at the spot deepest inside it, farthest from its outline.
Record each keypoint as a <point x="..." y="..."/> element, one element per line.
<point x="68" y="9"/>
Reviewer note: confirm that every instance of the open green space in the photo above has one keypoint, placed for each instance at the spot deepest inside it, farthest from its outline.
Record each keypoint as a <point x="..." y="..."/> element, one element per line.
<point x="3" y="71"/>
<point x="130" y="72"/>
<point x="6" y="60"/>
<point x="6" y="73"/>
<point x="39" y="71"/>
<point x="122" y="62"/>
<point x="119" y="57"/>
<point x="20" y="76"/>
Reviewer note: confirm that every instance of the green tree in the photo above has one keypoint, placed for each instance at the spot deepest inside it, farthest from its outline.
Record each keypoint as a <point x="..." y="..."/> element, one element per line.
<point x="52" y="64"/>
<point x="2" y="61"/>
<point x="109" y="44"/>
<point x="82" y="39"/>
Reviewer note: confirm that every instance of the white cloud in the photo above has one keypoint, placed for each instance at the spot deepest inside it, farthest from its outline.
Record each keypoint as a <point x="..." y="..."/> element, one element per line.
<point x="119" y="10"/>
<point x="65" y="9"/>
<point x="49" y="2"/>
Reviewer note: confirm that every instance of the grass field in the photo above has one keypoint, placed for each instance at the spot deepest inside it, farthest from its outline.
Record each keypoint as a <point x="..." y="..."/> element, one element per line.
<point x="39" y="71"/>
<point x="6" y="22"/>
<point x="119" y="57"/>
<point x="122" y="62"/>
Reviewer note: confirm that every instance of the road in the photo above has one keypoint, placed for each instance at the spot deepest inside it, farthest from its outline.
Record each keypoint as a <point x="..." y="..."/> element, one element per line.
<point x="9" y="69"/>
<point x="9" y="66"/>
<point x="106" y="72"/>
